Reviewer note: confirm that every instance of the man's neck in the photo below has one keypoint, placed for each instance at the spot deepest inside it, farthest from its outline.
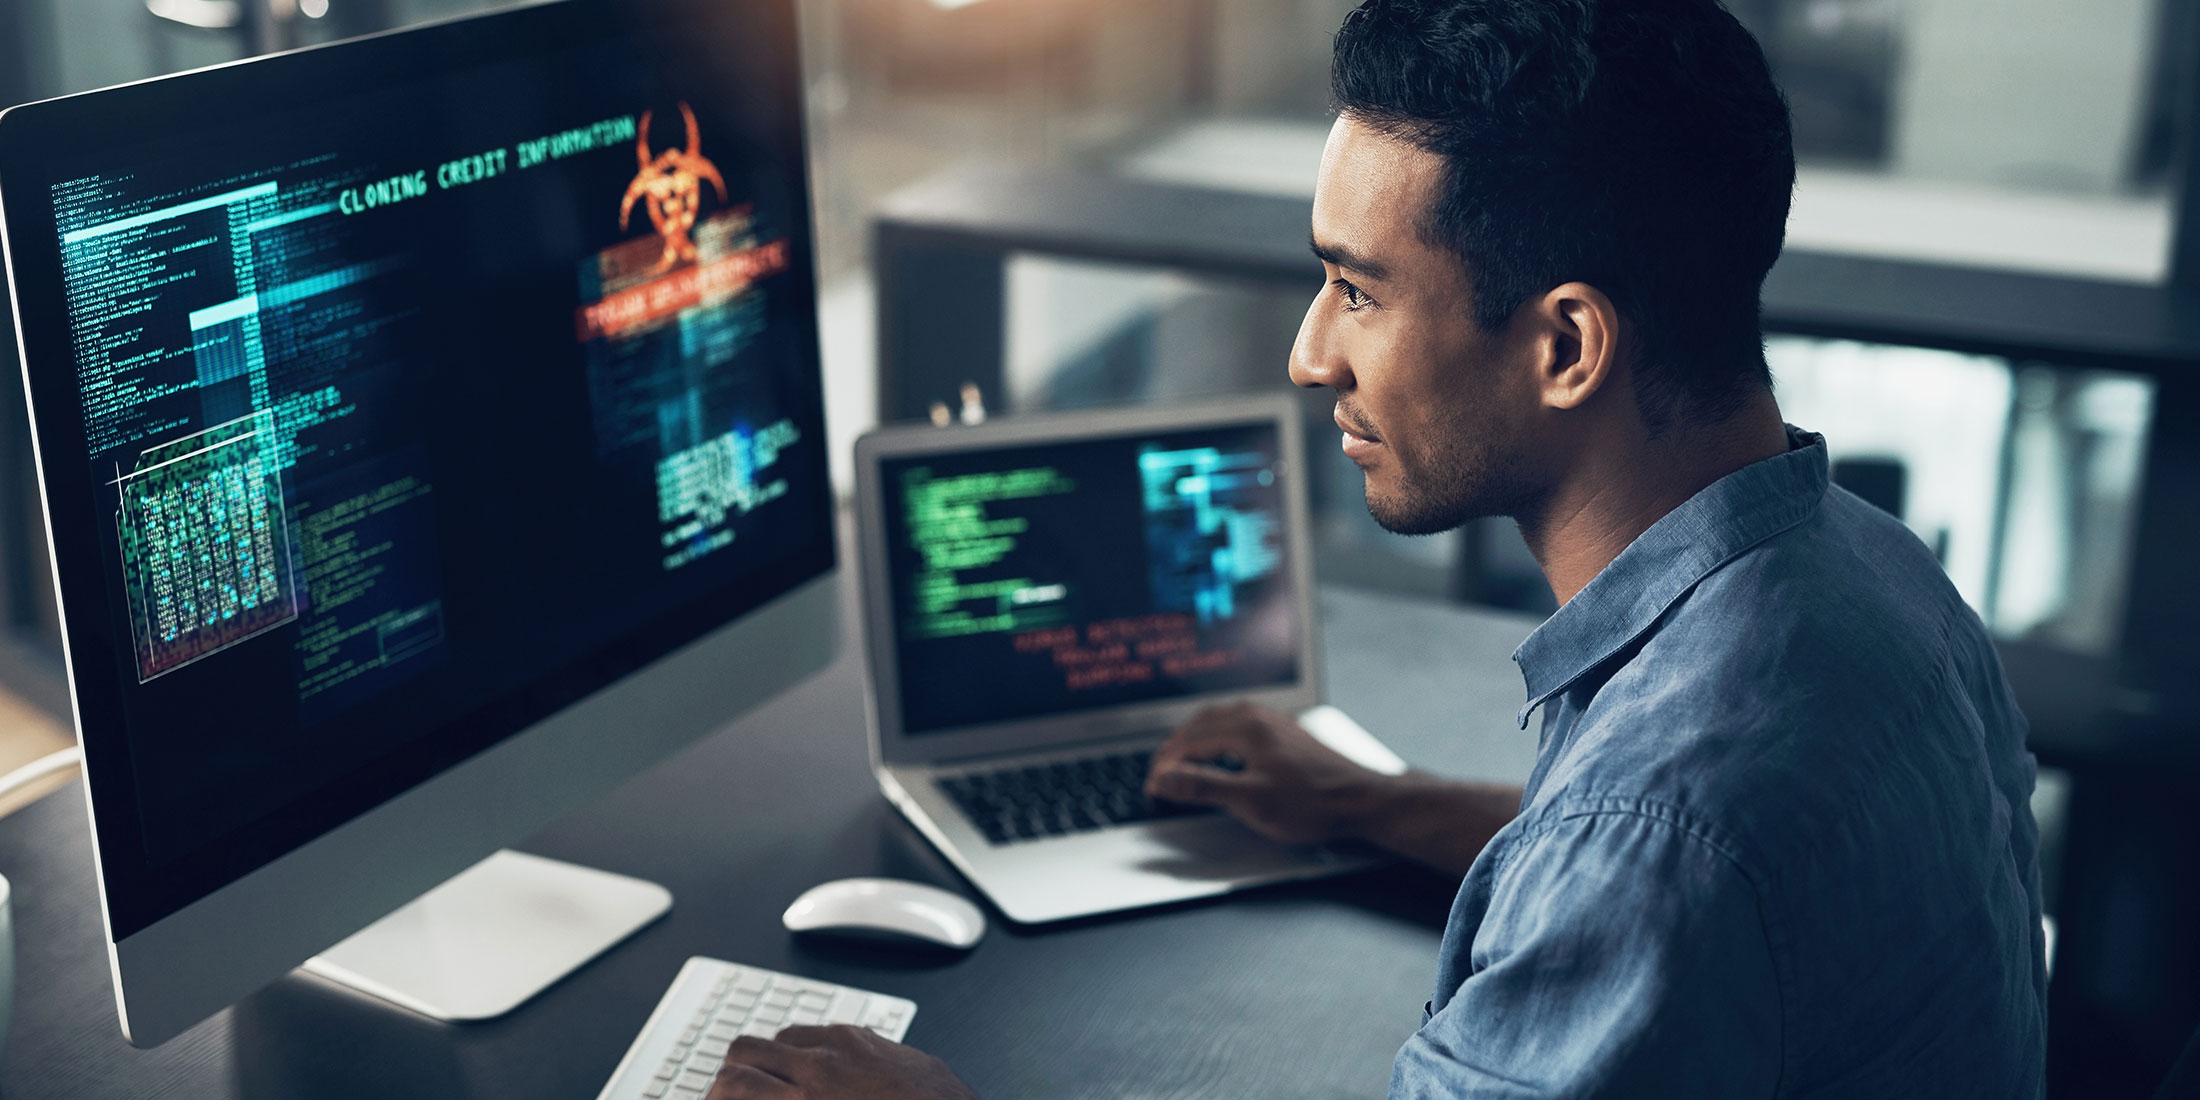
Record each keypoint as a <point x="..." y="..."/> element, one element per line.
<point x="1614" y="494"/>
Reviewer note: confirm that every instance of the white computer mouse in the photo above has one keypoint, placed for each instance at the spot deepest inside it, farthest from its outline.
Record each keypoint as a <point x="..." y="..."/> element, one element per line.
<point x="887" y="908"/>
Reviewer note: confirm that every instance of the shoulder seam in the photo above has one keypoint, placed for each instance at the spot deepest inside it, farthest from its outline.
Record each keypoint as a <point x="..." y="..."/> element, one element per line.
<point x="1573" y="807"/>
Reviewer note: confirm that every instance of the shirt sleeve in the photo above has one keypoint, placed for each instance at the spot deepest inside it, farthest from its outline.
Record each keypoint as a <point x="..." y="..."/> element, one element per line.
<point x="1620" y="956"/>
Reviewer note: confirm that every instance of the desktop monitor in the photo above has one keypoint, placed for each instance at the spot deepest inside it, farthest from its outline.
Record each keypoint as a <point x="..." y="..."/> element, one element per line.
<point x="430" y="435"/>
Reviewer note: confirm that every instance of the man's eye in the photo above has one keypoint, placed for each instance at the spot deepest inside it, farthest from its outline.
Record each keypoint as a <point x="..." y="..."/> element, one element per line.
<point x="1354" y="299"/>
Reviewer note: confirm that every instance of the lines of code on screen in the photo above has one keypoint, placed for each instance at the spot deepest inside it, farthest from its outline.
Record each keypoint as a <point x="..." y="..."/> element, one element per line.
<point x="1043" y="579"/>
<point x="953" y="527"/>
<point x="214" y="328"/>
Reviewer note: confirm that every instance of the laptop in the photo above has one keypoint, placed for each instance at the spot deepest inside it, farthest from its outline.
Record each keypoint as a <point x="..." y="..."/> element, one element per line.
<point x="1045" y="598"/>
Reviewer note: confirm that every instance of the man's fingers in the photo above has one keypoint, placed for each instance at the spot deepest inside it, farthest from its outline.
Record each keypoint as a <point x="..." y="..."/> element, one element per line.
<point x="1210" y="734"/>
<point x="779" y="1060"/>
<point x="739" y="1082"/>
<point x="1199" y="784"/>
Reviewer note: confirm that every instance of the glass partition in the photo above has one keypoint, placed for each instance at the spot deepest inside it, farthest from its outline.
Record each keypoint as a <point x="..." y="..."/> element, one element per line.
<point x="2022" y="477"/>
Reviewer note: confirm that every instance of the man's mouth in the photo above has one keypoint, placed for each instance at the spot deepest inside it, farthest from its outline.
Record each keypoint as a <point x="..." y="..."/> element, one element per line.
<point x="1359" y="439"/>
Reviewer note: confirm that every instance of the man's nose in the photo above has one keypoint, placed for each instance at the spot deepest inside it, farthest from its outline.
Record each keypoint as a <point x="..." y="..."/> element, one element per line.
<point x="1316" y="358"/>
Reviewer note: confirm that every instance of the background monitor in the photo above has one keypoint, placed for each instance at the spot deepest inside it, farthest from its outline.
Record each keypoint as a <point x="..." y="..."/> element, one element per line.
<point x="430" y="433"/>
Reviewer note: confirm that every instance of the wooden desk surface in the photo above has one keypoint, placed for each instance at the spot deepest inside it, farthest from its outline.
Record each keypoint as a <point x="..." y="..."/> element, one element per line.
<point x="1296" y="991"/>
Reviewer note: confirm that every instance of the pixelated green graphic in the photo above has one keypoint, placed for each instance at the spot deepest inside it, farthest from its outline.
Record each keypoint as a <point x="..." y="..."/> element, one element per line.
<point x="952" y="529"/>
<point x="205" y="549"/>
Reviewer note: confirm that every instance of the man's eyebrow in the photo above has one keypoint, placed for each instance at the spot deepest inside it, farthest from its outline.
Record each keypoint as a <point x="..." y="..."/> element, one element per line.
<point x="1347" y="259"/>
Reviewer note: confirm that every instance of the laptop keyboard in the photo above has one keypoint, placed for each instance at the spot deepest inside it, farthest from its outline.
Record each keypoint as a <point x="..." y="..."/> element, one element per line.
<point x="1075" y="796"/>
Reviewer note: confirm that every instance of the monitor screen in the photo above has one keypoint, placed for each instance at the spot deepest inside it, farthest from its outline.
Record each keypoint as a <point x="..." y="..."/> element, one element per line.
<point x="404" y="413"/>
<point x="1037" y="580"/>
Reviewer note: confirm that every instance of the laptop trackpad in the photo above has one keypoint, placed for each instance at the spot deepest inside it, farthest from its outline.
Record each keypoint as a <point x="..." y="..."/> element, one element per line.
<point x="1219" y="849"/>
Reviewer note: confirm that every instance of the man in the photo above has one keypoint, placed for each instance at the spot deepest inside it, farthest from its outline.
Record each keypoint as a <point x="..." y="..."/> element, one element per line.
<point x="1777" y="841"/>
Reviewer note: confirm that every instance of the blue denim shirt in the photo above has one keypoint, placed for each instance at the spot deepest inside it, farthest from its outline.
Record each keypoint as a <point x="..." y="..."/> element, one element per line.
<point x="1778" y="840"/>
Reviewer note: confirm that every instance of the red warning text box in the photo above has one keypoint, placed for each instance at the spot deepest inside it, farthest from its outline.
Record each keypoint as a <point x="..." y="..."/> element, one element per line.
<point x="659" y="298"/>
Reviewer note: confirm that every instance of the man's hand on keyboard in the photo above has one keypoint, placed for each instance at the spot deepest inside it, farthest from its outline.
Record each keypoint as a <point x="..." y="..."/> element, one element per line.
<point x="1272" y="775"/>
<point x="1258" y="764"/>
<point x="833" y="1063"/>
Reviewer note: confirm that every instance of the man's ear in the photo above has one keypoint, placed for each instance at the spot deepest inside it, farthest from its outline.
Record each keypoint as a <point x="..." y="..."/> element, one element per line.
<point x="1576" y="330"/>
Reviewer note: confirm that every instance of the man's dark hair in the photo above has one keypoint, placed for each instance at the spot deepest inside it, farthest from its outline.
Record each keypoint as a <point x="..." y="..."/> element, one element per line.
<point x="1639" y="146"/>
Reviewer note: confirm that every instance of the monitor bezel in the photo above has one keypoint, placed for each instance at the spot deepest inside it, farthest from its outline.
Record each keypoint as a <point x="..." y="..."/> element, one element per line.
<point x="892" y="744"/>
<point x="181" y="958"/>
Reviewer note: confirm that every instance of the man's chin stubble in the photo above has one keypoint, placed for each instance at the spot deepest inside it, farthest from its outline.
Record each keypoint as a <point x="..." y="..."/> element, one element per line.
<point x="1407" y="511"/>
<point x="1413" y="517"/>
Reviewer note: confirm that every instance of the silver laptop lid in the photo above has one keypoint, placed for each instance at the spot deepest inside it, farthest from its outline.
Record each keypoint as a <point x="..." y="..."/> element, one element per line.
<point x="1048" y="579"/>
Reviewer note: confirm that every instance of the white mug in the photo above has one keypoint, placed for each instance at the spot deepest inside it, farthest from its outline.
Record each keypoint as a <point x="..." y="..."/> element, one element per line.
<point x="7" y="967"/>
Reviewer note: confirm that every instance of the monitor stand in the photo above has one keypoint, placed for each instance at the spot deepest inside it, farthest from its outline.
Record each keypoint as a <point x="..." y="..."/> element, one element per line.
<point x="498" y="933"/>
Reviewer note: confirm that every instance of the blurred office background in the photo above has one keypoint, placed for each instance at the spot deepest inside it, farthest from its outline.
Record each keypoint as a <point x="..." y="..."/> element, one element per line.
<point x="1987" y="307"/>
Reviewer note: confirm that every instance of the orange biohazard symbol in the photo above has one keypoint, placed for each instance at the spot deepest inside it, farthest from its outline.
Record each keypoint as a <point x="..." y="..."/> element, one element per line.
<point x="672" y="181"/>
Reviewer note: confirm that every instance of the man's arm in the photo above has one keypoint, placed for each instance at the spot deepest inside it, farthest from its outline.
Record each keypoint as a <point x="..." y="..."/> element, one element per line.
<point x="1290" y="787"/>
<point x="1622" y="955"/>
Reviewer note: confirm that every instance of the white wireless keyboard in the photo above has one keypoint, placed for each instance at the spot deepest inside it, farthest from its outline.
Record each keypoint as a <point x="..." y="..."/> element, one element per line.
<point x="713" y="1002"/>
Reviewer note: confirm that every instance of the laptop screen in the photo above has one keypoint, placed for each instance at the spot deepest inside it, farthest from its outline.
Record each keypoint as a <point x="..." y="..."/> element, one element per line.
<point x="1039" y="579"/>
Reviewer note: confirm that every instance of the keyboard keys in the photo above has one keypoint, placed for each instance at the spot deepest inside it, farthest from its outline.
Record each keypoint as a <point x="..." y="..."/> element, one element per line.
<point x="847" y="1008"/>
<point x="1048" y="800"/>
<point x="883" y="1018"/>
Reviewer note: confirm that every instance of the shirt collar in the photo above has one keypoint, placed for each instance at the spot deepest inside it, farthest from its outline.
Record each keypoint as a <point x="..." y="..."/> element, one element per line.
<point x="1710" y="529"/>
